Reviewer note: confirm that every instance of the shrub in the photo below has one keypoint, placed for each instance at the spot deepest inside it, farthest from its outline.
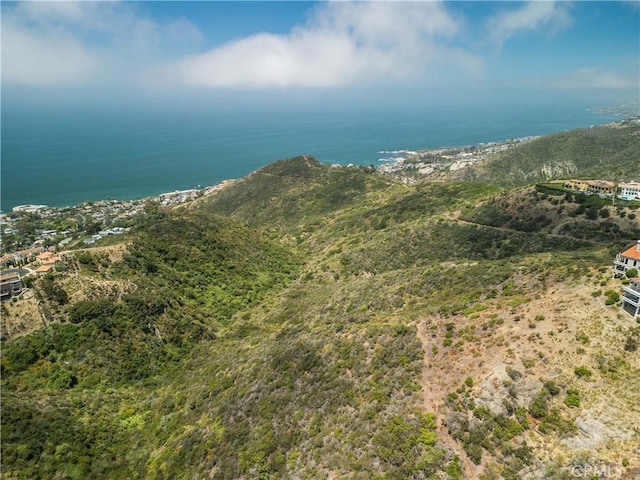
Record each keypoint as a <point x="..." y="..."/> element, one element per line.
<point x="88" y="310"/>
<point x="583" y="338"/>
<point x="538" y="407"/>
<point x="633" y="338"/>
<point x="553" y="422"/>
<point x="572" y="399"/>
<point x="62" y="379"/>
<point x="528" y="362"/>
<point x="612" y="297"/>
<point x="632" y="272"/>
<point x="551" y="387"/>
<point x="582" y="372"/>
<point x="513" y="373"/>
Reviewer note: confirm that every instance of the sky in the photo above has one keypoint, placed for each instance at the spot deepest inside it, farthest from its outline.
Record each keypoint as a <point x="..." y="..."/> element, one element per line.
<point x="190" y="52"/>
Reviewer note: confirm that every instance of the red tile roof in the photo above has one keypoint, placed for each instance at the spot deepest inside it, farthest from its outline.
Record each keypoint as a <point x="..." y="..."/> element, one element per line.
<point x="632" y="253"/>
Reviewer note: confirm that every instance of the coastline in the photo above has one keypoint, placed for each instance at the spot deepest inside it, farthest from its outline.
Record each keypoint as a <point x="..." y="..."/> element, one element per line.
<point x="84" y="224"/>
<point x="68" y="165"/>
<point x="422" y="161"/>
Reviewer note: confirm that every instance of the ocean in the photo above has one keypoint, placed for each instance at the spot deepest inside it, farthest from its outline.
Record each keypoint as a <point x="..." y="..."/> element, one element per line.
<point x="60" y="158"/>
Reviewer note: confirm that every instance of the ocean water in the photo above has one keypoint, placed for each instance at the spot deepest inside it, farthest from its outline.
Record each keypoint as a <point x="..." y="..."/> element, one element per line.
<point x="60" y="158"/>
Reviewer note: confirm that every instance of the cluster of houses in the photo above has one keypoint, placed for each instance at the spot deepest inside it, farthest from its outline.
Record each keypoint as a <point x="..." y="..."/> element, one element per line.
<point x="103" y="233"/>
<point x="34" y="261"/>
<point x="623" y="263"/>
<point x="626" y="191"/>
<point x="21" y="257"/>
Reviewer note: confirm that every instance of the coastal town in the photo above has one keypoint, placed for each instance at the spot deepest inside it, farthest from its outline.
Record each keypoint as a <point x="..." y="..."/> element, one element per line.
<point x="445" y="159"/>
<point x="28" y="228"/>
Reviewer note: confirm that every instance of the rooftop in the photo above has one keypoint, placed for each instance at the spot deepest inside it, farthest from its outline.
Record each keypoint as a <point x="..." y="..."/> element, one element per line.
<point x="632" y="252"/>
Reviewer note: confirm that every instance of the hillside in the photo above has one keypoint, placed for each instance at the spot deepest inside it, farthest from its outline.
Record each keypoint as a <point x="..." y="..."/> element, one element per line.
<point x="607" y="152"/>
<point x="317" y="322"/>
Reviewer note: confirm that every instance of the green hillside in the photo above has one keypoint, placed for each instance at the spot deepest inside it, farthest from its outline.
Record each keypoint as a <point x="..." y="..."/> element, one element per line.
<point x="318" y="322"/>
<point x="608" y="152"/>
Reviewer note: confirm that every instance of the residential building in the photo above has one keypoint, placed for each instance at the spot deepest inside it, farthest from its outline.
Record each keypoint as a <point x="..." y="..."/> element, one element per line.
<point x="578" y="185"/>
<point x="629" y="191"/>
<point x="42" y="269"/>
<point x="10" y="285"/>
<point x="631" y="297"/>
<point x="601" y="187"/>
<point x="626" y="260"/>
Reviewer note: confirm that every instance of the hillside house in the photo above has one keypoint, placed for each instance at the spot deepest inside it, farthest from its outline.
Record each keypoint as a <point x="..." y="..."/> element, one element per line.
<point x="626" y="260"/>
<point x="577" y="185"/>
<point x="629" y="191"/>
<point x="10" y="285"/>
<point x="601" y="187"/>
<point x="631" y="297"/>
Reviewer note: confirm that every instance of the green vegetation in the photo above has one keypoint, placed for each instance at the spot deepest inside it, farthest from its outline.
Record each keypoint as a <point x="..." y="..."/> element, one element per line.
<point x="271" y="331"/>
<point x="582" y="372"/>
<point x="566" y="153"/>
<point x="572" y="399"/>
<point x="613" y="297"/>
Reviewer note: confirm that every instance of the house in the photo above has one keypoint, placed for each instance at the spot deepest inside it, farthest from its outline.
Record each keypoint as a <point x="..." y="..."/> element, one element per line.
<point x="626" y="260"/>
<point x="47" y="257"/>
<point x="631" y="297"/>
<point x="601" y="187"/>
<point x="629" y="191"/>
<point x="578" y="185"/>
<point x="6" y="260"/>
<point x="10" y="285"/>
<point x="42" y="269"/>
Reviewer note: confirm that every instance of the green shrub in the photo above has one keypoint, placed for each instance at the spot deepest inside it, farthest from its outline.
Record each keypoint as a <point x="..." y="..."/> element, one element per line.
<point x="572" y="399"/>
<point x="551" y="387"/>
<point x="632" y="272"/>
<point x="582" y="372"/>
<point x="538" y="407"/>
<point x="612" y="297"/>
<point x="583" y="338"/>
<point x="553" y="422"/>
<point x="62" y="379"/>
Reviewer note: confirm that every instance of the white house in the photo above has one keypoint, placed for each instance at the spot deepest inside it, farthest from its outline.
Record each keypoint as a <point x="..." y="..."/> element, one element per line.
<point x="631" y="297"/>
<point x="630" y="258"/>
<point x="629" y="191"/>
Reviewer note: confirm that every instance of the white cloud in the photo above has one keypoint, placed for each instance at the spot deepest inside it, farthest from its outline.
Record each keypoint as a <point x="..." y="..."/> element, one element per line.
<point x="532" y="16"/>
<point x="60" y="43"/>
<point x="343" y="42"/>
<point x="45" y="58"/>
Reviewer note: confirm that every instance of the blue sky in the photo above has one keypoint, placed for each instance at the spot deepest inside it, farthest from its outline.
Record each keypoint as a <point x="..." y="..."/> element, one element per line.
<point x="382" y="51"/>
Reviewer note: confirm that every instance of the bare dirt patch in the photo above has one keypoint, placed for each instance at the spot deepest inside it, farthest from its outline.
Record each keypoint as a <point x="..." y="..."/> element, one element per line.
<point x="543" y="335"/>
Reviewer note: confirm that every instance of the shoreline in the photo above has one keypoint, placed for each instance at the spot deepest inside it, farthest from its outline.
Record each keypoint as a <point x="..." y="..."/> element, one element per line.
<point x="400" y="159"/>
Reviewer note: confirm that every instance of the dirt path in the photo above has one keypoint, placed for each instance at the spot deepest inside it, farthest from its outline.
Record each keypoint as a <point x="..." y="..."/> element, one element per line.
<point x="433" y="397"/>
